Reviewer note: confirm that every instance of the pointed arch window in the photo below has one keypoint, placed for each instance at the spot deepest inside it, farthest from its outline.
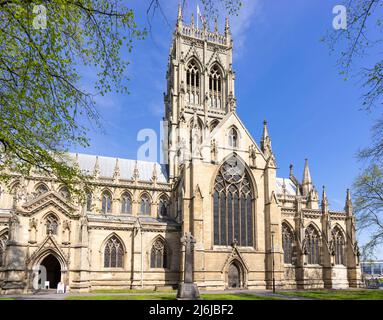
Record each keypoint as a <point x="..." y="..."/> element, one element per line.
<point x="145" y="205"/>
<point x="64" y="192"/>
<point x="163" y="207"/>
<point x="287" y="243"/>
<point x="233" y="138"/>
<point x="312" y="245"/>
<point x="3" y="243"/>
<point x="193" y="83"/>
<point x="106" y="202"/>
<point x="338" y="241"/>
<point x="232" y="205"/>
<point x="158" y="254"/>
<point x="215" y="88"/>
<point x="42" y="188"/>
<point x="113" y="253"/>
<point x="52" y="224"/>
<point x="126" y="203"/>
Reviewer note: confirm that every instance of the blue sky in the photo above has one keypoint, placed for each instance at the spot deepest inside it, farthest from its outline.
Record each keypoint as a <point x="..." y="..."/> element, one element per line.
<point x="284" y="74"/>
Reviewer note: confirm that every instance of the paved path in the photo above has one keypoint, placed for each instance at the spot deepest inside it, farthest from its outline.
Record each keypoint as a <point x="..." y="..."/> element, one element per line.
<point x="54" y="296"/>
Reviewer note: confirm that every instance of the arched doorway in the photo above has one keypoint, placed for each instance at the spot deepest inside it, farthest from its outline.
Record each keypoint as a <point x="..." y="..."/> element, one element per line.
<point x="52" y="265"/>
<point x="234" y="276"/>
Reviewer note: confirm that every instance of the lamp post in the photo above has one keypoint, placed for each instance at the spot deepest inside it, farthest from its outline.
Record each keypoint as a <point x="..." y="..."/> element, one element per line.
<point x="273" y="261"/>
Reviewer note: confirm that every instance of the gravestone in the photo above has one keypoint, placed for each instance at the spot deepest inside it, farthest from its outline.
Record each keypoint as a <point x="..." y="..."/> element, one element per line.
<point x="188" y="290"/>
<point x="60" y="288"/>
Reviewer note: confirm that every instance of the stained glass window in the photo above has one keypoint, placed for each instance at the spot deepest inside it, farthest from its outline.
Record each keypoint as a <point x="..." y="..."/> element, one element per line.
<point x="126" y="203"/>
<point x="287" y="243"/>
<point x="338" y="241"/>
<point x="158" y="254"/>
<point x="232" y="205"/>
<point x="312" y="245"/>
<point x="113" y="253"/>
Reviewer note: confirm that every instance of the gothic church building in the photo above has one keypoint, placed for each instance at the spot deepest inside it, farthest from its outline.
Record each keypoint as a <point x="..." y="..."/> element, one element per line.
<point x="219" y="184"/>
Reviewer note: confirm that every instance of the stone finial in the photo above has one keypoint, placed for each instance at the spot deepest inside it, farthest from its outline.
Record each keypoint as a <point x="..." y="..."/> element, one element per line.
<point x="348" y="204"/>
<point x="179" y="16"/>
<point x="216" y="25"/>
<point x="116" y="173"/>
<point x="192" y="20"/>
<point x="291" y="170"/>
<point x="96" y="170"/>
<point x="227" y="26"/>
<point x="324" y="200"/>
<point x="136" y="173"/>
<point x="306" y="181"/>
<point x="154" y="174"/>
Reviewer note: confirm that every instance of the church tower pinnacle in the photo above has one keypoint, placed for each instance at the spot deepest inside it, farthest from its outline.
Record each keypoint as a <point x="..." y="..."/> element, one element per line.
<point x="200" y="79"/>
<point x="307" y="184"/>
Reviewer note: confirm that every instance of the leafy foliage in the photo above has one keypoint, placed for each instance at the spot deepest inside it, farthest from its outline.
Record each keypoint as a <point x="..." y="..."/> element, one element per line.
<point x="41" y="99"/>
<point x="368" y="194"/>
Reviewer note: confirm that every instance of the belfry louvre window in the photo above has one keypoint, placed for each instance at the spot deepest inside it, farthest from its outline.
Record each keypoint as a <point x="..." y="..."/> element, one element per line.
<point x="113" y="253"/>
<point x="193" y="83"/>
<point x="158" y="255"/>
<point x="215" y="87"/>
<point x="338" y="240"/>
<point x="312" y="245"/>
<point x="232" y="205"/>
<point x="287" y="244"/>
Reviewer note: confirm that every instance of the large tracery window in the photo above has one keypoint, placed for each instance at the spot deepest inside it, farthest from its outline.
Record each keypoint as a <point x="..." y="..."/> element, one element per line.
<point x="338" y="241"/>
<point x="52" y="224"/>
<point x="193" y="83"/>
<point x="312" y="245"/>
<point x="232" y="205"/>
<point x="158" y="254"/>
<point x="287" y="243"/>
<point x="3" y="243"/>
<point x="113" y="253"/>
<point x="215" y="87"/>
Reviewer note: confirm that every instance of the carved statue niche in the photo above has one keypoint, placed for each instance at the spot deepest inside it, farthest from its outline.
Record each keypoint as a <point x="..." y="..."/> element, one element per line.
<point x="32" y="230"/>
<point x="214" y="150"/>
<point x="253" y="156"/>
<point x="66" y="231"/>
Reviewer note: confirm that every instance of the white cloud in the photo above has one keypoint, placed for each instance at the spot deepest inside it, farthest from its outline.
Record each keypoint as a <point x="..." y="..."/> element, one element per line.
<point x="251" y="10"/>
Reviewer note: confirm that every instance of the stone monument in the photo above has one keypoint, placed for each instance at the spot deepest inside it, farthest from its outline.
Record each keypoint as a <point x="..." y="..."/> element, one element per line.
<point x="188" y="290"/>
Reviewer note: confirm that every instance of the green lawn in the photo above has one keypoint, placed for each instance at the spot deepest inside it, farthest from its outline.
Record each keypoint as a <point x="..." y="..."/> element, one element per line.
<point x="337" y="294"/>
<point x="125" y="297"/>
<point x="242" y="296"/>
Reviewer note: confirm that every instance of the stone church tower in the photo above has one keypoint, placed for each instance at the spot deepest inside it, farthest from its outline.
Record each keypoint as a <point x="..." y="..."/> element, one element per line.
<point x="251" y="227"/>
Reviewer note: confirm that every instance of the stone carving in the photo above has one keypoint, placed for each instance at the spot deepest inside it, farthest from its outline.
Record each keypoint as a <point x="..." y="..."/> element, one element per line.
<point x="188" y="290"/>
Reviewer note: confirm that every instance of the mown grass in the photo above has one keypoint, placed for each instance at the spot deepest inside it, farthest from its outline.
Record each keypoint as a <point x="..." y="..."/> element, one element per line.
<point x="124" y="297"/>
<point x="337" y="294"/>
<point x="240" y="296"/>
